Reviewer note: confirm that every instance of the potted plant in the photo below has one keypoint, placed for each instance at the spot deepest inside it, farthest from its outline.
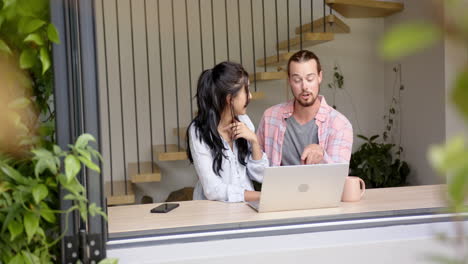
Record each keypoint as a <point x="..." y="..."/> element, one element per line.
<point x="380" y="164"/>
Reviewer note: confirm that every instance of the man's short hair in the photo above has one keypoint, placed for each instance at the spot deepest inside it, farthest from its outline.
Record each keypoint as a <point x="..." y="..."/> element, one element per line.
<point x="304" y="56"/>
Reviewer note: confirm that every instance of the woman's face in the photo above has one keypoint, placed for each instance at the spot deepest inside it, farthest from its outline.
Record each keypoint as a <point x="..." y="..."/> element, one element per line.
<point x="240" y="101"/>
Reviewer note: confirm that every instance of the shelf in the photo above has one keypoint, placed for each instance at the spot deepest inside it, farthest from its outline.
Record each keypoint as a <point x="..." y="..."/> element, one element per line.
<point x="333" y="25"/>
<point x="308" y="39"/>
<point x="119" y="196"/>
<point x="365" y="8"/>
<point x="171" y="153"/>
<point x="269" y="76"/>
<point x="149" y="172"/>
<point x="275" y="60"/>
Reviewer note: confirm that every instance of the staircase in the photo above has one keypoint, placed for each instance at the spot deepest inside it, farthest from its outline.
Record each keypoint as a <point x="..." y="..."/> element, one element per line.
<point x="319" y="31"/>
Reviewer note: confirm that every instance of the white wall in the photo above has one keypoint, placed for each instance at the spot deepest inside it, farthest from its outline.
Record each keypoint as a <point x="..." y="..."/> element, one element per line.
<point x="456" y="57"/>
<point x="423" y="100"/>
<point x="396" y="244"/>
<point x="355" y="53"/>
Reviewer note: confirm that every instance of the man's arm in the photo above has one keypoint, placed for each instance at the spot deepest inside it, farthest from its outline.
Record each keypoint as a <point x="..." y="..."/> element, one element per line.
<point x="261" y="133"/>
<point x="339" y="144"/>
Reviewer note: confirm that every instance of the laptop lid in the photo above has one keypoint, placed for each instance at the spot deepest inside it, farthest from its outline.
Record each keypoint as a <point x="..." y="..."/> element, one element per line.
<point x="302" y="187"/>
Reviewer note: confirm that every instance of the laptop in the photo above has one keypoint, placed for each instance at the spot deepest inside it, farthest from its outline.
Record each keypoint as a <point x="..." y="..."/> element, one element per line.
<point x="301" y="187"/>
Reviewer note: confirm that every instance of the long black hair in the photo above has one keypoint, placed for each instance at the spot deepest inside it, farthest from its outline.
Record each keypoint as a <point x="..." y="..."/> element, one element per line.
<point x="214" y="86"/>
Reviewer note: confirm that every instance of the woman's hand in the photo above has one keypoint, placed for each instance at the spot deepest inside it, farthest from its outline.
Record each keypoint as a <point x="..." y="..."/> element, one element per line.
<point x="240" y="130"/>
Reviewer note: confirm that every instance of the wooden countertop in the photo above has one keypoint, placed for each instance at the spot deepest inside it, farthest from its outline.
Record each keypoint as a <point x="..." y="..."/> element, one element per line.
<point x="192" y="216"/>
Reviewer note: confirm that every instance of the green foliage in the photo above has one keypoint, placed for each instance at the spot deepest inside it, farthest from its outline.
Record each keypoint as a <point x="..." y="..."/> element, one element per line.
<point x="25" y="31"/>
<point x="449" y="159"/>
<point x="408" y="38"/>
<point x="375" y="164"/>
<point x="29" y="200"/>
<point x="460" y="93"/>
<point x="394" y="112"/>
<point x="338" y="81"/>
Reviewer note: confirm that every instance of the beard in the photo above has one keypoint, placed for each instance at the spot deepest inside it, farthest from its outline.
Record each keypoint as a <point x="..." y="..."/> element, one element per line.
<point x="308" y="103"/>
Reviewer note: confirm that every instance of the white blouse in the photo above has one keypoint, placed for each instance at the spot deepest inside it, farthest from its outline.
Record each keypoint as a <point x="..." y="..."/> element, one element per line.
<point x="235" y="177"/>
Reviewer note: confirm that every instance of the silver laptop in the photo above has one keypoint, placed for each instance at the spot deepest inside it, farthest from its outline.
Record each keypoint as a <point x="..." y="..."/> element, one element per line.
<point x="301" y="187"/>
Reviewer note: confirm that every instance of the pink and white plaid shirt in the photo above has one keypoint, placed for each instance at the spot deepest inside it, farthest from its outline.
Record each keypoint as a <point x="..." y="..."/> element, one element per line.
<point x="335" y="132"/>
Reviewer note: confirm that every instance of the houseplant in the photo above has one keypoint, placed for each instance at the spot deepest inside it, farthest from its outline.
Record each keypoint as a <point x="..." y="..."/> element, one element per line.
<point x="377" y="165"/>
<point x="31" y="166"/>
<point x="380" y="164"/>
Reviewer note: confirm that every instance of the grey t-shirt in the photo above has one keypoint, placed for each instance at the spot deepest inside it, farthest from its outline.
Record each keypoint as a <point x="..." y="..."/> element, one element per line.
<point x="296" y="138"/>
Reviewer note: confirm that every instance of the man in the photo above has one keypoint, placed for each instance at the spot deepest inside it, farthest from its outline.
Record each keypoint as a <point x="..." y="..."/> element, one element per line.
<point x="305" y="130"/>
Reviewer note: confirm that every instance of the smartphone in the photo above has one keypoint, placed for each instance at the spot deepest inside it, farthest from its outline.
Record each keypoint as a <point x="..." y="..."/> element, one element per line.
<point x="165" y="208"/>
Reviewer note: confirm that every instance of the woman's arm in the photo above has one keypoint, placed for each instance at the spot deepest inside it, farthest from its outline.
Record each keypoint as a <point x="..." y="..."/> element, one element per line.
<point x="258" y="160"/>
<point x="213" y="186"/>
<point x="251" y="196"/>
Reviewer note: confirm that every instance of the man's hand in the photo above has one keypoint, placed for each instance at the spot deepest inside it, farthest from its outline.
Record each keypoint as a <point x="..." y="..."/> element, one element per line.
<point x="312" y="154"/>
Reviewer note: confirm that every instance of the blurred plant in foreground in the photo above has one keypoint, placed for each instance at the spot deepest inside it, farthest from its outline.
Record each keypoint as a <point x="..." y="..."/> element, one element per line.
<point x="449" y="159"/>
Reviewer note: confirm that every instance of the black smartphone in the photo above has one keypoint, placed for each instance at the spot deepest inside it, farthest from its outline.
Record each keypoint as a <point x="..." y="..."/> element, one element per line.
<point x="165" y="208"/>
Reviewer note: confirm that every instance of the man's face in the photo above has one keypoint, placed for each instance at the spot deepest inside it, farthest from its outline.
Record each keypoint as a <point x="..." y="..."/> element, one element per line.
<point x="305" y="82"/>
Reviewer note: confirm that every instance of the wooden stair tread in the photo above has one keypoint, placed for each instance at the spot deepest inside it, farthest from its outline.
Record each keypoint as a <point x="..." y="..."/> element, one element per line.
<point x="268" y="76"/>
<point x="149" y="172"/>
<point x="118" y="196"/>
<point x="275" y="60"/>
<point x="334" y="25"/>
<point x="308" y="39"/>
<point x="365" y="8"/>
<point x="171" y="153"/>
<point x="257" y="95"/>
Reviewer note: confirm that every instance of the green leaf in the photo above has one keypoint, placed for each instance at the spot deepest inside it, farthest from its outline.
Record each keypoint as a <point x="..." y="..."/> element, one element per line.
<point x="31" y="223"/>
<point x="362" y="137"/>
<point x="33" y="25"/>
<point x="4" y="47"/>
<point x="57" y="150"/>
<point x="83" y="140"/>
<point x="31" y="258"/>
<point x="8" y="3"/>
<point x="27" y="59"/>
<point x="405" y="39"/>
<point x="109" y="261"/>
<point x="84" y="153"/>
<point x="2" y="18"/>
<point x="46" y="160"/>
<point x="47" y="214"/>
<point x="18" y="259"/>
<point x="13" y="174"/>
<point x="39" y="192"/>
<point x="95" y="153"/>
<point x="45" y="59"/>
<point x="72" y="167"/>
<point x="460" y="93"/>
<point x="94" y="210"/>
<point x="15" y="228"/>
<point x="52" y="33"/>
<point x="90" y="164"/>
<point x="34" y="38"/>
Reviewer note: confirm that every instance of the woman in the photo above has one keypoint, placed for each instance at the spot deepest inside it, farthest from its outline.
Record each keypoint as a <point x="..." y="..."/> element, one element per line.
<point x="221" y="140"/>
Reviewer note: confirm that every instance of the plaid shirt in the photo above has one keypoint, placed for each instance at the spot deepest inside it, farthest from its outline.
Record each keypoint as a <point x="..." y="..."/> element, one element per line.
<point x="335" y="132"/>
